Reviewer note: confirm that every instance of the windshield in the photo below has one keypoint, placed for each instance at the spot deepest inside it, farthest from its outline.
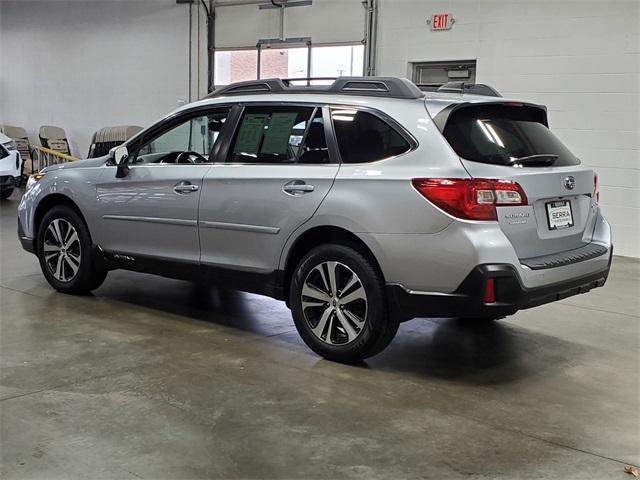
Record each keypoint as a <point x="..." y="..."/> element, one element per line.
<point x="500" y="135"/>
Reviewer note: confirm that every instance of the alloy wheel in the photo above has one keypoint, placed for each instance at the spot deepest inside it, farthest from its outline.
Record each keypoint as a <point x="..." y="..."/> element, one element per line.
<point x="334" y="303"/>
<point x="62" y="250"/>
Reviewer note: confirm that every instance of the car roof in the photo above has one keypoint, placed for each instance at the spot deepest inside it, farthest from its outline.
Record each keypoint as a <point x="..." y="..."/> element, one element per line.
<point x="435" y="102"/>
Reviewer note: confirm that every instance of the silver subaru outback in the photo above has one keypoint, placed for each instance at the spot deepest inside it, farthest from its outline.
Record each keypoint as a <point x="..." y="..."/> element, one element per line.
<point x="362" y="204"/>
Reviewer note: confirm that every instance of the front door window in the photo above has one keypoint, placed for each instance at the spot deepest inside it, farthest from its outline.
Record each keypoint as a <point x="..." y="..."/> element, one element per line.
<point x="189" y="142"/>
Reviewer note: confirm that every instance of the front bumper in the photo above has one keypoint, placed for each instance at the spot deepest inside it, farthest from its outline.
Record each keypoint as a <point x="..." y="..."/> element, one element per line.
<point x="9" y="181"/>
<point x="29" y="244"/>
<point x="468" y="300"/>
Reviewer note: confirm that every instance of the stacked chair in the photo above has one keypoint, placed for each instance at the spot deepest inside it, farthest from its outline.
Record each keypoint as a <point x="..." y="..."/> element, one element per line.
<point x="19" y="135"/>
<point x="106" y="138"/>
<point x="54" y="138"/>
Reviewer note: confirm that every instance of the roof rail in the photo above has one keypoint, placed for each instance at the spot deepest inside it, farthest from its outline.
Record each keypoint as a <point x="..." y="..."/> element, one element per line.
<point x="390" y="87"/>
<point x="471" y="88"/>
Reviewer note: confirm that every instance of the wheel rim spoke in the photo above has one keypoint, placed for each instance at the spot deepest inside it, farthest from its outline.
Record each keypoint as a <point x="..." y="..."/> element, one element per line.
<point x="313" y="304"/>
<point x="51" y="248"/>
<point x="72" y="238"/>
<point x="334" y="320"/>
<point x="49" y="256"/>
<point x="322" y="323"/>
<point x="352" y="281"/>
<point x="354" y="318"/>
<point x="357" y="294"/>
<point x="312" y="292"/>
<point x="348" y="328"/>
<point x="332" y="266"/>
<point x="59" y="273"/>
<point x="73" y="263"/>
<point x="323" y="276"/>
<point x="57" y="233"/>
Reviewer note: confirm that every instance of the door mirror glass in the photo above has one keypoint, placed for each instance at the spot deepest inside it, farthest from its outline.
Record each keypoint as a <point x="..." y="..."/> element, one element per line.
<point x="120" y="154"/>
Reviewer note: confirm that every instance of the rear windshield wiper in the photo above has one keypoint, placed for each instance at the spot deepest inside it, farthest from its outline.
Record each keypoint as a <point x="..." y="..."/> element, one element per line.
<point x="540" y="159"/>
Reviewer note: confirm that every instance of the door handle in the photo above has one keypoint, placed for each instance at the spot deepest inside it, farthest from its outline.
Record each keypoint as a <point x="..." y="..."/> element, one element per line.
<point x="185" y="187"/>
<point x="297" y="187"/>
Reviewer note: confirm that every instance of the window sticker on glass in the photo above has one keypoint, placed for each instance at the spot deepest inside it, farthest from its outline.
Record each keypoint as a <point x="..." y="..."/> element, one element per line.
<point x="276" y="139"/>
<point x="250" y="134"/>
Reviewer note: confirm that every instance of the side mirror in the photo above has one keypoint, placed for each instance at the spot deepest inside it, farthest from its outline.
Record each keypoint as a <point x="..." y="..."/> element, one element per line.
<point x="120" y="155"/>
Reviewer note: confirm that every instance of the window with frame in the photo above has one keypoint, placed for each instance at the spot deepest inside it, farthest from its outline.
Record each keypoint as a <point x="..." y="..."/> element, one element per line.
<point x="364" y="137"/>
<point x="280" y="135"/>
<point x="189" y="142"/>
<point x="242" y="64"/>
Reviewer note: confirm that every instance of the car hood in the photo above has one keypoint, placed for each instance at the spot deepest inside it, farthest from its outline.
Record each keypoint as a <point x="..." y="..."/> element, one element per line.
<point x="88" y="163"/>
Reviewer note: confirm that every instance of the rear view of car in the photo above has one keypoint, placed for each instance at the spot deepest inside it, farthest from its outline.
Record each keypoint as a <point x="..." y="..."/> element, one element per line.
<point x="530" y="207"/>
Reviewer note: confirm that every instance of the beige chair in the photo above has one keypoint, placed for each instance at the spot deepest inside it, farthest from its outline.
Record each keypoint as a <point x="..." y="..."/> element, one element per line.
<point x="54" y="138"/>
<point x="19" y="135"/>
<point x="106" y="138"/>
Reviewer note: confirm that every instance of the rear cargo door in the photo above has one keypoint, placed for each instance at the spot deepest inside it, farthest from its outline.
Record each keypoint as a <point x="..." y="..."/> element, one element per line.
<point x="512" y="141"/>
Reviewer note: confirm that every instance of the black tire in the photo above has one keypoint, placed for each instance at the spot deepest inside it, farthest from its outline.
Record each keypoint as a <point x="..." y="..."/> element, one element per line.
<point x="378" y="328"/>
<point x="5" y="193"/>
<point x="87" y="277"/>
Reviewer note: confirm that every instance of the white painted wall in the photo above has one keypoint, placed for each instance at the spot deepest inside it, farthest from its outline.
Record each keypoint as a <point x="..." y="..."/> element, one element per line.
<point x="325" y="21"/>
<point x="580" y="58"/>
<point x="84" y="65"/>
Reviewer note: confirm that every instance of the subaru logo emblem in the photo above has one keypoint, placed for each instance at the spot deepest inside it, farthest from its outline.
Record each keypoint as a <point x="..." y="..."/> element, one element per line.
<point x="570" y="182"/>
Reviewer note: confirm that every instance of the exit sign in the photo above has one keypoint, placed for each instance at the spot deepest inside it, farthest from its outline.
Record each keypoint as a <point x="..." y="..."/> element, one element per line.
<point x="441" y="21"/>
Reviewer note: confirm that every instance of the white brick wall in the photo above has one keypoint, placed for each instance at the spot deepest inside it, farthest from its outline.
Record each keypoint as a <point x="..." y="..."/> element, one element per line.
<point x="580" y="58"/>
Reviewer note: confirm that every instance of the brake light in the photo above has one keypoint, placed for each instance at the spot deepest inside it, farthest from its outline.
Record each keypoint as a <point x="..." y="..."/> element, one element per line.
<point x="490" y="290"/>
<point x="471" y="198"/>
<point x="596" y="189"/>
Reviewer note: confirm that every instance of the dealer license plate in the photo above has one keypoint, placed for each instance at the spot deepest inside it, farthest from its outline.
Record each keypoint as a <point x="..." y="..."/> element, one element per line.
<point x="559" y="214"/>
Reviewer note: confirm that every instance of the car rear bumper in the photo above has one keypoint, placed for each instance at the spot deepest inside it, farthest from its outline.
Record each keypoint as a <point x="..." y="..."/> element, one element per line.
<point x="510" y="294"/>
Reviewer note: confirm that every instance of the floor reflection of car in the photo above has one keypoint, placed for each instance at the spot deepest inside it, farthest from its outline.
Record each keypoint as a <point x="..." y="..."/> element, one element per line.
<point x="361" y="204"/>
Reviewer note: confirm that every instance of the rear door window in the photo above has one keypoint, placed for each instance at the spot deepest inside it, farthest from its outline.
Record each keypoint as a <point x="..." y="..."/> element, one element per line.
<point x="500" y="135"/>
<point x="364" y="137"/>
<point x="280" y="135"/>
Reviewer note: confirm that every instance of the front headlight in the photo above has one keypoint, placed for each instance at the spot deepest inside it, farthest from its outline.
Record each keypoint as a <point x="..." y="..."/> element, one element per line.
<point x="10" y="145"/>
<point x="33" y="180"/>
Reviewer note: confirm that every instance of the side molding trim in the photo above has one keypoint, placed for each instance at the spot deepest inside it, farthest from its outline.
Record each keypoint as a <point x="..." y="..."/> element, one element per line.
<point x="166" y="221"/>
<point x="240" y="227"/>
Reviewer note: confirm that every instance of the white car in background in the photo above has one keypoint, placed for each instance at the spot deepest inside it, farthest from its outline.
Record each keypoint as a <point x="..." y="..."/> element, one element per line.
<point x="10" y="166"/>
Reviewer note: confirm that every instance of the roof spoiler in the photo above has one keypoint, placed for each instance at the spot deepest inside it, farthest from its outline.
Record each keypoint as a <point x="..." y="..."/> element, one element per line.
<point x="469" y="88"/>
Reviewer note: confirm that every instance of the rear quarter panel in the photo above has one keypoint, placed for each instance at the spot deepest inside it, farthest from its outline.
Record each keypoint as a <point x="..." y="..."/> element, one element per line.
<point x="378" y="197"/>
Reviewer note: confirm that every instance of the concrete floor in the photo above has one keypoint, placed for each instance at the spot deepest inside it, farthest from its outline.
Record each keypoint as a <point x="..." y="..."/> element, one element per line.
<point x="155" y="378"/>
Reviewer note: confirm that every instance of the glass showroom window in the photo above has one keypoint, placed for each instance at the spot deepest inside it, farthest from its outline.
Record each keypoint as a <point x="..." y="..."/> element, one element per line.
<point x="235" y="66"/>
<point x="293" y="62"/>
<point x="284" y="62"/>
<point x="337" y="61"/>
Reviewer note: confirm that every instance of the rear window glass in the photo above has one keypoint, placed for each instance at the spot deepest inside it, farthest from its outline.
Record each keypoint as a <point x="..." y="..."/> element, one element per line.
<point x="364" y="137"/>
<point x="500" y="135"/>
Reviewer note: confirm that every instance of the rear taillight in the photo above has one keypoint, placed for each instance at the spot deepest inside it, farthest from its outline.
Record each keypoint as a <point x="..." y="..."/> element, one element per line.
<point x="489" y="291"/>
<point x="596" y="189"/>
<point x="470" y="198"/>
